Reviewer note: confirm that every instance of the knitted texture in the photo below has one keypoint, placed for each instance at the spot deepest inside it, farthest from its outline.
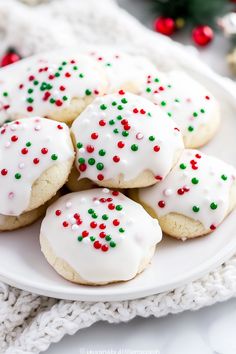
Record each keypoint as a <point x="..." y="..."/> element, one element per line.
<point x="29" y="323"/>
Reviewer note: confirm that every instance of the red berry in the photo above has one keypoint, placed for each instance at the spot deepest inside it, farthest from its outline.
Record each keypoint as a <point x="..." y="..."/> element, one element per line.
<point x="58" y="212"/>
<point x="44" y="151"/>
<point x="104" y="248"/>
<point x="116" y="222"/>
<point x="94" y="136"/>
<point x="161" y="204"/>
<point x="93" y="224"/>
<point x="9" y="58"/>
<point x="4" y="172"/>
<point x="202" y="35"/>
<point x="164" y="25"/>
<point x="97" y="244"/>
<point x="116" y="159"/>
<point x="120" y="144"/>
<point x="36" y="161"/>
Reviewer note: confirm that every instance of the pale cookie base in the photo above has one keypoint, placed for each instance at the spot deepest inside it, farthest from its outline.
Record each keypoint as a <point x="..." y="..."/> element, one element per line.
<point x="67" y="272"/>
<point x="47" y="185"/>
<point x="180" y="226"/>
<point x="204" y="133"/>
<point x="145" y="179"/>
<point x="74" y="185"/>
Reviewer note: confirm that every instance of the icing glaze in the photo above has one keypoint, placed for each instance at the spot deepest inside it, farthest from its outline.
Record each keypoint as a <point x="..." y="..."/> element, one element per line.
<point x="48" y="82"/>
<point x="122" y="69"/>
<point x="27" y="150"/>
<point x="101" y="234"/>
<point x="197" y="187"/>
<point x="184" y="100"/>
<point x="124" y="134"/>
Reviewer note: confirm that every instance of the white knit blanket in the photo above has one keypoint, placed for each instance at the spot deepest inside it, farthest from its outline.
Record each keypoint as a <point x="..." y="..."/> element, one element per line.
<point x="29" y="322"/>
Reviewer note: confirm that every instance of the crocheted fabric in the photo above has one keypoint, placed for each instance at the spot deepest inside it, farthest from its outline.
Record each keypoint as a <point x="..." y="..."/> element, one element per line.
<point x="29" y="322"/>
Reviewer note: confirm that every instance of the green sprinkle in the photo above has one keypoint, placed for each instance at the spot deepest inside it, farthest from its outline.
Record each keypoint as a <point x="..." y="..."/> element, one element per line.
<point x="195" y="209"/>
<point x="169" y="86"/>
<point x="79" y="145"/>
<point x="190" y="128"/>
<point x="156" y="80"/>
<point x="88" y="92"/>
<point x="213" y="206"/>
<point x="114" y="103"/>
<point x="151" y="138"/>
<point x="116" y="131"/>
<point x="75" y="67"/>
<point x="103" y="107"/>
<point x="17" y="176"/>
<point x="100" y="166"/>
<point x="224" y="177"/>
<point x="30" y="100"/>
<point x="80" y="238"/>
<point x="90" y="211"/>
<point x="182" y="166"/>
<point x="148" y="89"/>
<point x="28" y="144"/>
<point x="108" y="64"/>
<point x="81" y="75"/>
<point x="60" y="68"/>
<point x="195" y="114"/>
<point x="30" y="90"/>
<point x="91" y="161"/>
<point x="119" y="207"/>
<point x="121" y="230"/>
<point x="108" y="238"/>
<point x="57" y="74"/>
<point x="5" y="94"/>
<point x="124" y="100"/>
<point x="120" y="107"/>
<point x="102" y="152"/>
<point x="119" y="117"/>
<point x="105" y="217"/>
<point x="36" y="82"/>
<point x="202" y="110"/>
<point x="94" y="215"/>
<point x="65" y="98"/>
<point x="125" y="133"/>
<point x="81" y="160"/>
<point x="134" y="147"/>
<point x="112" y="244"/>
<point x="169" y="114"/>
<point x="194" y="180"/>
<point x="111" y="122"/>
<point x="54" y="157"/>
<point x="149" y="114"/>
<point x="163" y="103"/>
<point x="177" y="100"/>
<point x="64" y="63"/>
<point x="52" y="100"/>
<point x="92" y="238"/>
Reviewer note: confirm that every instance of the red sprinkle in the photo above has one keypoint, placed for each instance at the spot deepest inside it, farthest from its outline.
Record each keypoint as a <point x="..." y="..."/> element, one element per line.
<point x="29" y="108"/>
<point x="67" y="75"/>
<point x="76" y="216"/>
<point x="85" y="233"/>
<point x="180" y="191"/>
<point x="65" y="223"/>
<point x="93" y="224"/>
<point x="116" y="158"/>
<point x="198" y="156"/>
<point x="102" y="234"/>
<point x="102" y="123"/>
<point x="135" y="110"/>
<point x="207" y="97"/>
<point x="212" y="227"/>
<point x="158" y="178"/>
<point x="142" y="111"/>
<point x="58" y="103"/>
<point x="24" y="151"/>
<point x="14" y="138"/>
<point x="4" y="172"/>
<point x="94" y="136"/>
<point x="59" y="126"/>
<point x="104" y="248"/>
<point x="156" y="148"/>
<point x="100" y="177"/>
<point x="120" y="144"/>
<point x="58" y="212"/>
<point x="82" y="167"/>
<point x="31" y="77"/>
<point x="97" y="245"/>
<point x="121" y="92"/>
<point x="90" y="148"/>
<point x="36" y="161"/>
<point x="62" y="88"/>
<point x="116" y="222"/>
<point x="115" y="193"/>
<point x="111" y="206"/>
<point x="102" y="226"/>
<point x="44" y="151"/>
<point x="161" y="204"/>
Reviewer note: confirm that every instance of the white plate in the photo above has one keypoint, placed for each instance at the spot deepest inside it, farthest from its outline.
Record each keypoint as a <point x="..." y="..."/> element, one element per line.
<point x="175" y="263"/>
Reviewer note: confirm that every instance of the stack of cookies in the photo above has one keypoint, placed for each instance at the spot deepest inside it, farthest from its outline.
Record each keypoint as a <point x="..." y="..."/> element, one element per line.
<point x="122" y="137"/>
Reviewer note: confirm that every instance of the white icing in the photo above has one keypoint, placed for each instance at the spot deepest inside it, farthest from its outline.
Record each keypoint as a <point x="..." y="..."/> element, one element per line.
<point x="186" y="101"/>
<point x="117" y="263"/>
<point x="18" y="158"/>
<point x="123" y="69"/>
<point x="81" y="76"/>
<point x="211" y="188"/>
<point x="148" y="121"/>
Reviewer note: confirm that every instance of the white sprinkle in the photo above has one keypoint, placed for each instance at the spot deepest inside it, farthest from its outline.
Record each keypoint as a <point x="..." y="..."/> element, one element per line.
<point x="106" y="190"/>
<point x="7" y="144"/>
<point x="139" y="136"/>
<point x="82" y="200"/>
<point x="13" y="127"/>
<point x="167" y="192"/>
<point x="11" y="195"/>
<point x="37" y="127"/>
<point x="68" y="205"/>
<point x="96" y="202"/>
<point x="72" y="220"/>
<point x="74" y="227"/>
<point x="21" y="165"/>
<point x="82" y="150"/>
<point x="108" y="137"/>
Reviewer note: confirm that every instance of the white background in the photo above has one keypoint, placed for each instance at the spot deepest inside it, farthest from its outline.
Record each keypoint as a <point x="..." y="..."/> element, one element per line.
<point x="208" y="331"/>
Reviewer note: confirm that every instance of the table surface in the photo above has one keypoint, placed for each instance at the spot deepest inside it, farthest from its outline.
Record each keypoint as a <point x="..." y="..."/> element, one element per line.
<point x="208" y="331"/>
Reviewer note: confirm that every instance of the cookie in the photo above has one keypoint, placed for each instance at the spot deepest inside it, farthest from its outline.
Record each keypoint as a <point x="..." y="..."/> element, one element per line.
<point x="98" y="237"/>
<point x="123" y="71"/>
<point x="36" y="158"/>
<point x="53" y="85"/>
<point x="193" y="108"/>
<point x="124" y="141"/>
<point x="195" y="197"/>
<point x="75" y="185"/>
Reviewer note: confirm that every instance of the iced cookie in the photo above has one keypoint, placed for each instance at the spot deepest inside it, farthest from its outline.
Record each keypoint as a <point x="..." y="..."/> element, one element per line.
<point x="123" y="71"/>
<point x="194" y="198"/>
<point x="98" y="237"/>
<point x="36" y="159"/>
<point x="187" y="102"/>
<point x="125" y="141"/>
<point x="53" y="85"/>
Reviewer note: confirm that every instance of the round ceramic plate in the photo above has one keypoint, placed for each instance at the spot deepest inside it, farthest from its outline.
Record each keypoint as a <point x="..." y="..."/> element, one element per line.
<point x="175" y="263"/>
